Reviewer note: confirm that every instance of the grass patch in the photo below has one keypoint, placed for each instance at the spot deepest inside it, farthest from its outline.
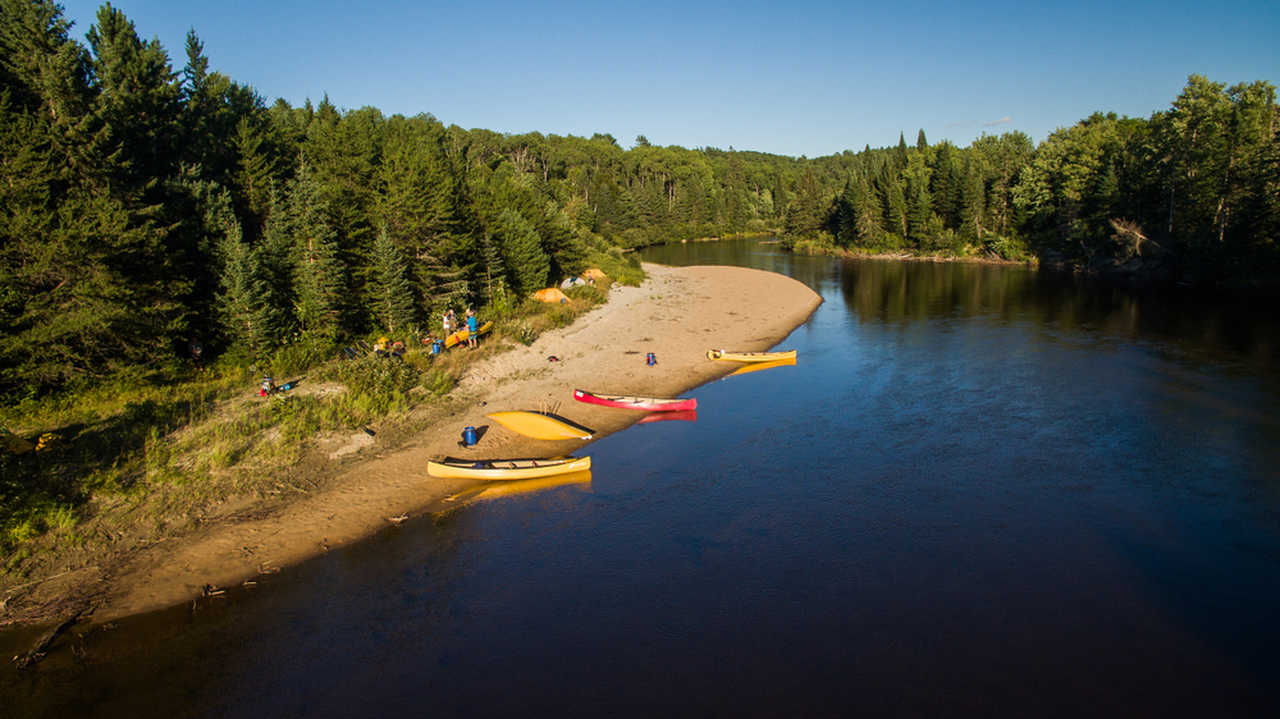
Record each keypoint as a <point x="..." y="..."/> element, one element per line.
<point x="147" y="452"/>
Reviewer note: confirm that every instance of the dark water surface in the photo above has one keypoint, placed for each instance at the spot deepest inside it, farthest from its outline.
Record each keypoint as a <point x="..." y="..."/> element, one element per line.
<point x="981" y="490"/>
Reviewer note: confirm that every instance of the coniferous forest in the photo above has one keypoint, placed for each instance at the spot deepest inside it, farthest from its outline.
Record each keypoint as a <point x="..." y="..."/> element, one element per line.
<point x="146" y="207"/>
<point x="150" y="206"/>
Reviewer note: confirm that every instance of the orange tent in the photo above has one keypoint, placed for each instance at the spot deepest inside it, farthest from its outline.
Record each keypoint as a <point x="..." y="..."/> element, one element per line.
<point x="594" y="274"/>
<point x="551" y="294"/>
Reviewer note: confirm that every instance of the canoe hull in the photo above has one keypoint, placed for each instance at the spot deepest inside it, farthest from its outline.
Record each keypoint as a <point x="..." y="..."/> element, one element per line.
<point x="750" y="356"/>
<point x="750" y="367"/>
<point x="462" y="334"/>
<point x="645" y="404"/>
<point x="506" y="469"/>
<point x="538" y="425"/>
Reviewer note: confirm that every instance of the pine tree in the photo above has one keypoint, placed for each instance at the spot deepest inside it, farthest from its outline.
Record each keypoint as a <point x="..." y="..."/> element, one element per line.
<point x="318" y="279"/>
<point x="900" y="153"/>
<point x="779" y="197"/>
<point x="867" y="208"/>
<point x="279" y="259"/>
<point x="806" y="214"/>
<point x="527" y="265"/>
<point x="392" y="293"/>
<point x="138" y="103"/>
<point x="493" y="268"/>
<point x="256" y="171"/>
<point x="972" y="202"/>
<point x="919" y="205"/>
<point x="891" y="190"/>
<point x="249" y="320"/>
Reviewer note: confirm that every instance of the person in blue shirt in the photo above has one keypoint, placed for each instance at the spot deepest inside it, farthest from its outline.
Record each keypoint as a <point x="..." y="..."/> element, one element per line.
<point x="472" y="325"/>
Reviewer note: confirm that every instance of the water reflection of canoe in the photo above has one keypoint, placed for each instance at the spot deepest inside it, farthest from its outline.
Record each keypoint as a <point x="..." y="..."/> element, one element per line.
<point x="462" y="334"/>
<point x="490" y="469"/>
<point x="529" y="486"/>
<point x="539" y="425"/>
<point x="750" y="356"/>
<point x="648" y="404"/>
<point x="757" y="366"/>
<point x="688" y="415"/>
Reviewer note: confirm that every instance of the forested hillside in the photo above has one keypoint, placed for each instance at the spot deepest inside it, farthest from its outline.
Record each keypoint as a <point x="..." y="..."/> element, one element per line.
<point x="145" y="208"/>
<point x="1191" y="194"/>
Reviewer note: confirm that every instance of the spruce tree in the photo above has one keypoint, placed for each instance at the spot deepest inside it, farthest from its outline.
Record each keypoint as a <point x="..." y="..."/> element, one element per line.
<point x="318" y="277"/>
<point x="494" y="270"/>
<point x="249" y="320"/>
<point x="391" y="292"/>
<point x="256" y="171"/>
<point x="137" y="104"/>
<point x="527" y="265"/>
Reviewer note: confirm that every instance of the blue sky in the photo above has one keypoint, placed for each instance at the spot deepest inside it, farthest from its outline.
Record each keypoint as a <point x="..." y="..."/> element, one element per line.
<point x="795" y="78"/>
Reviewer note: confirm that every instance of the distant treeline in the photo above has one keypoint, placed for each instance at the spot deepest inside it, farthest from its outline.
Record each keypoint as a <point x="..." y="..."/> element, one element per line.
<point x="145" y="208"/>
<point x="1191" y="194"/>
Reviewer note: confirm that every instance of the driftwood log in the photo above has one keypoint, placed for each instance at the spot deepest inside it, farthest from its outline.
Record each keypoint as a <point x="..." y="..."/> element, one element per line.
<point x="41" y="647"/>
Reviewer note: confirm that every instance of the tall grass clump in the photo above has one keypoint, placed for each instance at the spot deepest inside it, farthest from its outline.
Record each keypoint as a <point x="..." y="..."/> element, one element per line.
<point x="375" y="386"/>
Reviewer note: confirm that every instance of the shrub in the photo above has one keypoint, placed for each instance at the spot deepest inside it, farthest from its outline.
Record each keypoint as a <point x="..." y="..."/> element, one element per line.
<point x="375" y="384"/>
<point x="300" y="354"/>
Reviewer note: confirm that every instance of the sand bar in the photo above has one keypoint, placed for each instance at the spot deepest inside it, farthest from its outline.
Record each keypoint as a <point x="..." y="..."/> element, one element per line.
<point x="677" y="314"/>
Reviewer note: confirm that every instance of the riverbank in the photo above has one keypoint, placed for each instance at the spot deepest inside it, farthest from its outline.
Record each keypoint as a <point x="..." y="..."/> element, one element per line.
<point x="677" y="314"/>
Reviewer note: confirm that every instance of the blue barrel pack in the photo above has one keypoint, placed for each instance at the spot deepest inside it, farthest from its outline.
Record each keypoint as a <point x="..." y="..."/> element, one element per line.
<point x="468" y="436"/>
<point x="437" y="347"/>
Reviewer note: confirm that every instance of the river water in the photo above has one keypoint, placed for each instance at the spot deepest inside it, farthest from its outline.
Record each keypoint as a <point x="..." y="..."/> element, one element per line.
<point x="980" y="490"/>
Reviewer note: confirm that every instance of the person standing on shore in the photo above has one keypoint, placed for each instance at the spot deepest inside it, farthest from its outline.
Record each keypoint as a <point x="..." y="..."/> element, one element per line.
<point x="448" y="323"/>
<point x="472" y="328"/>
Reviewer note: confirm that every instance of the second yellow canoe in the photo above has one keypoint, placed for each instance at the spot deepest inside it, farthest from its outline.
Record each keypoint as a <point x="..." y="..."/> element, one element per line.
<point x="538" y="425"/>
<point x="751" y="356"/>
<point x="750" y="367"/>
<point x="493" y="469"/>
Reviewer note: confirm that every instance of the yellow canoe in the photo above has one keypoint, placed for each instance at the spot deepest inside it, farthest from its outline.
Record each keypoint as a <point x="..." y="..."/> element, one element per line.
<point x="750" y="356"/>
<point x="757" y="366"/>
<point x="462" y="334"/>
<point x="489" y="469"/>
<point x="538" y="425"/>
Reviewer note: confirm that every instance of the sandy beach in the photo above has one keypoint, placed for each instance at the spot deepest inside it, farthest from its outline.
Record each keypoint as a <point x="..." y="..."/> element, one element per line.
<point x="677" y="314"/>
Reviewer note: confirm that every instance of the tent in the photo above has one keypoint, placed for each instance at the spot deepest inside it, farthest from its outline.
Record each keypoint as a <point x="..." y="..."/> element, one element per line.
<point x="551" y="294"/>
<point x="594" y="274"/>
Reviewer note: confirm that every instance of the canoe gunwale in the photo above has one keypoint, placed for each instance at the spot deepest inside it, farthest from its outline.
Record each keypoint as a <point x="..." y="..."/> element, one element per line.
<point x="725" y="355"/>
<point x="643" y="404"/>
<point x="464" y="468"/>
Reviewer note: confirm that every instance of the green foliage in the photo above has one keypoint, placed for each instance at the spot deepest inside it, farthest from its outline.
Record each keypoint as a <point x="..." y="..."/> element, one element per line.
<point x="297" y="354"/>
<point x="143" y="208"/>
<point x="376" y="385"/>
<point x="527" y="265"/>
<point x="392" y="293"/>
<point x="318" y="278"/>
<point x="249" y="318"/>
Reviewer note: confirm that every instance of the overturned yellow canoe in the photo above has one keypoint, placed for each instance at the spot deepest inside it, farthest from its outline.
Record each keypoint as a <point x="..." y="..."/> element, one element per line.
<point x="538" y="425"/>
<point x="489" y="469"/>
<point x="750" y="356"/>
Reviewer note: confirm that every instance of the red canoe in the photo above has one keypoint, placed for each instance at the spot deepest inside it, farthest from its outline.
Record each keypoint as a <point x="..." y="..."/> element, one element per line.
<point x="646" y="404"/>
